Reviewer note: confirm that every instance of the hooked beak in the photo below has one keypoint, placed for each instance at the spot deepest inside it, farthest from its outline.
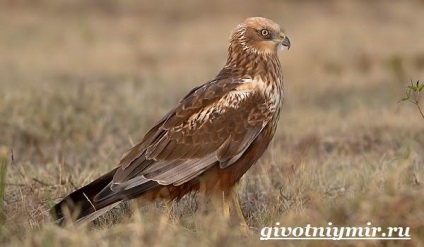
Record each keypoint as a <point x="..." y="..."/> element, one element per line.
<point x="286" y="42"/>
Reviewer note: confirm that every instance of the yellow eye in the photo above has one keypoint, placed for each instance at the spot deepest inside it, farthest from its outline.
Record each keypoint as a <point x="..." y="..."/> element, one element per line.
<point x="264" y="32"/>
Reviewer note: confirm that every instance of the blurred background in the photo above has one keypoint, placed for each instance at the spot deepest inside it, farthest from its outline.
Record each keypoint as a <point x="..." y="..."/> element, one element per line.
<point x="81" y="81"/>
<point x="334" y="42"/>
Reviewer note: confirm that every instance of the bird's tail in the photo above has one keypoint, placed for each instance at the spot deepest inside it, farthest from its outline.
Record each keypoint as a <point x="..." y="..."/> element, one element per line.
<point x="81" y="206"/>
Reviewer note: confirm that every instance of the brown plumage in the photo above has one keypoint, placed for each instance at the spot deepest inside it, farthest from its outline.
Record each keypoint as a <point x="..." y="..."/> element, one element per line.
<point x="209" y="140"/>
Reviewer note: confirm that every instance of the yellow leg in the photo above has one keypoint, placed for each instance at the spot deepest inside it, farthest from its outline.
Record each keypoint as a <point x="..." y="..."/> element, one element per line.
<point x="226" y="207"/>
<point x="169" y="208"/>
<point x="239" y="213"/>
<point x="202" y="199"/>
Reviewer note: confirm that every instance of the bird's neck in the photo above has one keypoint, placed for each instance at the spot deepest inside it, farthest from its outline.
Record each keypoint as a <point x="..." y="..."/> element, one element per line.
<point x="248" y="63"/>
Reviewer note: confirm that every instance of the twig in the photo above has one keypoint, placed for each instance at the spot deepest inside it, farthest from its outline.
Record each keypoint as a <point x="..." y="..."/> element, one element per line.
<point x="41" y="182"/>
<point x="414" y="91"/>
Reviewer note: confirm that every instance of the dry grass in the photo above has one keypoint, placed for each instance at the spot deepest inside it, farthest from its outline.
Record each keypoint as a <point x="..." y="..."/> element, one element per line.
<point x="81" y="81"/>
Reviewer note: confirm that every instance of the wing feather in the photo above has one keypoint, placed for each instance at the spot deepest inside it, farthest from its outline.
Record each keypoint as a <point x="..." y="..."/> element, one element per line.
<point x="213" y="124"/>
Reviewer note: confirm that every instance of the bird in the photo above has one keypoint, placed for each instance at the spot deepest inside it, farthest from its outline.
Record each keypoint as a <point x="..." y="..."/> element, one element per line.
<point x="207" y="142"/>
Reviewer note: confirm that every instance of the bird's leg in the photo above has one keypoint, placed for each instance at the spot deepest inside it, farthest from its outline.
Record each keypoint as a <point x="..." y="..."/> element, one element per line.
<point x="226" y="206"/>
<point x="237" y="207"/>
<point x="202" y="199"/>
<point x="169" y="205"/>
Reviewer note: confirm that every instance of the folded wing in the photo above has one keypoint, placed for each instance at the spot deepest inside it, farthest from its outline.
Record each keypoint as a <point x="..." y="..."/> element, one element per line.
<point x="213" y="125"/>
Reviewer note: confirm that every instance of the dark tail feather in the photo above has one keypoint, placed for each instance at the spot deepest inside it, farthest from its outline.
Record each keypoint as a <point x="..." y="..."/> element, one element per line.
<point x="80" y="203"/>
<point x="81" y="206"/>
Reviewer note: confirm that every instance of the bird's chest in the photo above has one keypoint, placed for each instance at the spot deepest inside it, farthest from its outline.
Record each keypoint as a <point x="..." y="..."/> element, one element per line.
<point x="255" y="96"/>
<point x="272" y="93"/>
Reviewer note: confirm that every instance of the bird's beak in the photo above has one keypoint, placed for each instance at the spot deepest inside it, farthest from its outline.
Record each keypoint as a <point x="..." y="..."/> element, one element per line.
<point x="286" y="42"/>
<point x="283" y="40"/>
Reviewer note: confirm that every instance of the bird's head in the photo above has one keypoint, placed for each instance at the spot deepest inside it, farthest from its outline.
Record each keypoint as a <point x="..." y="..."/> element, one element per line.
<point x="260" y="35"/>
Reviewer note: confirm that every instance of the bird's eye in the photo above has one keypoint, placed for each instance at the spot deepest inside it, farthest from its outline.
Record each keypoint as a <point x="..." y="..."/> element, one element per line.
<point x="264" y="32"/>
